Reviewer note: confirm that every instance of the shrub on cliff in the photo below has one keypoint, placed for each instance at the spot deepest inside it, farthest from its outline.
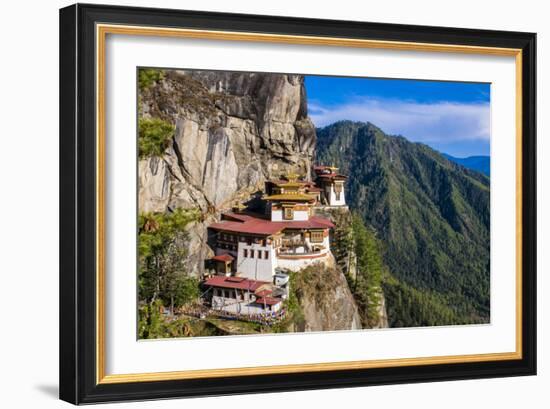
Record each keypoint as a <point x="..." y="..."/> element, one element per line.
<point x="148" y="76"/>
<point x="154" y="136"/>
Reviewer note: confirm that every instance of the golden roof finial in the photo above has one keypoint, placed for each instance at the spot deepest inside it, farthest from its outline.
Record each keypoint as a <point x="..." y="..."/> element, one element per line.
<point x="292" y="177"/>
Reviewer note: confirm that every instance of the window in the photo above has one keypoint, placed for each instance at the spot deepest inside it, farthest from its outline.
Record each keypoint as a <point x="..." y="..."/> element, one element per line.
<point x="338" y="190"/>
<point x="245" y="252"/>
<point x="260" y="254"/>
<point x="266" y="254"/>
<point x="316" y="236"/>
<point x="251" y="253"/>
<point x="288" y="213"/>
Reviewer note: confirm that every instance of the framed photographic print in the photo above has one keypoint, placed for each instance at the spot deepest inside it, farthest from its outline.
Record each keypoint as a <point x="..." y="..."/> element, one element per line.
<point x="257" y="203"/>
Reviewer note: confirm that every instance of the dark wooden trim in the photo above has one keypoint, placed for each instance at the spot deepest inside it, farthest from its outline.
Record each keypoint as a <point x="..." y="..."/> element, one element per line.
<point x="67" y="209"/>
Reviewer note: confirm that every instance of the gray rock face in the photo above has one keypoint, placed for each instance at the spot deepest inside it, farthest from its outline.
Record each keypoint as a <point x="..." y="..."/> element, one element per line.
<point x="233" y="131"/>
<point x="326" y="300"/>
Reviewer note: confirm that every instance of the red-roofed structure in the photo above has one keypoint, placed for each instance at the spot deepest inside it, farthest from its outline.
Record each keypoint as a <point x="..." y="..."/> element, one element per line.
<point x="263" y="293"/>
<point x="268" y="301"/>
<point x="240" y="283"/>
<point x="255" y="252"/>
<point x="332" y="184"/>
<point x="247" y="224"/>
<point x="224" y="257"/>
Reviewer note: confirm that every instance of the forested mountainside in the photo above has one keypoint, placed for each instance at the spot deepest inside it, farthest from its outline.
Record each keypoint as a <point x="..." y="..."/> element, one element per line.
<point x="432" y="216"/>
<point x="480" y="163"/>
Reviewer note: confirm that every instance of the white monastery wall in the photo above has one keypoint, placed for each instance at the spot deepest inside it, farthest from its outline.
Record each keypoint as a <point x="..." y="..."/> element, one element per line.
<point x="332" y="197"/>
<point x="256" y="268"/>
<point x="299" y="215"/>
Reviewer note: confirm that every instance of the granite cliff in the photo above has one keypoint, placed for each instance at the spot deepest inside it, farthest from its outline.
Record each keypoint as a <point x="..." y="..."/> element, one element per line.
<point x="232" y="132"/>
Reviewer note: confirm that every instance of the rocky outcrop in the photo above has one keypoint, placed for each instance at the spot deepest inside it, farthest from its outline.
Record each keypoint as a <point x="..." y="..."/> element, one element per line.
<point x="325" y="300"/>
<point x="232" y="132"/>
<point x="382" y="313"/>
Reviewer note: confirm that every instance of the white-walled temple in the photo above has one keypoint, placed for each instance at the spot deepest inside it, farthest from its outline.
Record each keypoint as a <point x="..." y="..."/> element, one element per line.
<point x="331" y="184"/>
<point x="252" y="249"/>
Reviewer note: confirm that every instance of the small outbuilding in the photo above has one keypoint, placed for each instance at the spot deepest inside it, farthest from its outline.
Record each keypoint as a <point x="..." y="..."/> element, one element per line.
<point x="223" y="264"/>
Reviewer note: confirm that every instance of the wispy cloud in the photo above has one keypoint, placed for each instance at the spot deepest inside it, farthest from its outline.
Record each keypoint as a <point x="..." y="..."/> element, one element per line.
<point x="418" y="121"/>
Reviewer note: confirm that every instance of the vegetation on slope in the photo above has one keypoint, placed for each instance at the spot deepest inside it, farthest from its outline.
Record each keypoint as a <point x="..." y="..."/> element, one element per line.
<point x="154" y="136"/>
<point x="153" y="324"/>
<point x="162" y="253"/>
<point x="149" y="76"/>
<point x="370" y="267"/>
<point x="431" y="214"/>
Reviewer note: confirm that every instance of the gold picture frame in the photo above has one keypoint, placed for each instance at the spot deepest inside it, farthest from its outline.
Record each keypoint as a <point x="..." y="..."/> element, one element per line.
<point x="98" y="21"/>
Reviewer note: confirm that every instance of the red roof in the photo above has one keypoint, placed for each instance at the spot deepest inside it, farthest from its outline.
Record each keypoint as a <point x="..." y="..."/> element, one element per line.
<point x="243" y="217"/>
<point x="268" y="300"/>
<point x="223" y="257"/>
<point x="234" y="282"/>
<point x="263" y="227"/>
<point x="263" y="293"/>
<point x="332" y="176"/>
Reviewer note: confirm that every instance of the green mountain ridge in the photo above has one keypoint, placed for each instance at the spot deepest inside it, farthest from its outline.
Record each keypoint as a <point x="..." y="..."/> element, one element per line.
<point x="432" y="215"/>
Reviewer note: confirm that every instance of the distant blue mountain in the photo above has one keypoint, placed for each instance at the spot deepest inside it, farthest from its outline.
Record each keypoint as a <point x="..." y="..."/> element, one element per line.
<point x="480" y="163"/>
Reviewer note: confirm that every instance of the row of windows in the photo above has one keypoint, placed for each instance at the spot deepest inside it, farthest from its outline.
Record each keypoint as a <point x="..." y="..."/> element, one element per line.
<point x="227" y="237"/>
<point x="251" y="253"/>
<point x="242" y="239"/>
<point x="228" y="246"/>
<point x="316" y="236"/>
<point x="228" y="294"/>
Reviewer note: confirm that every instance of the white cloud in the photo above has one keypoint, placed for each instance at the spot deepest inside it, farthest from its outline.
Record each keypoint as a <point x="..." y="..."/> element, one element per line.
<point x="419" y="122"/>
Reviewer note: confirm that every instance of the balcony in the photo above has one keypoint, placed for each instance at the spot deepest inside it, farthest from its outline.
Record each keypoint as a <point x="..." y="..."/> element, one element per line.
<point x="301" y="251"/>
<point x="293" y="243"/>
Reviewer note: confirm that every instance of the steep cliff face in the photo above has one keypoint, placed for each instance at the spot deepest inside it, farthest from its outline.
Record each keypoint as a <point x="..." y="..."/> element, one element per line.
<point x="325" y="300"/>
<point x="232" y="132"/>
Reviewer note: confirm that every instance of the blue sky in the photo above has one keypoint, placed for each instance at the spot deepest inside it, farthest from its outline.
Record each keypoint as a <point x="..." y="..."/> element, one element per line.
<point x="451" y="117"/>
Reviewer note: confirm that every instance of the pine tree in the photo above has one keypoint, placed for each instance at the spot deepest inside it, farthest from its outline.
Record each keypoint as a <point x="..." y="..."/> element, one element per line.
<point x="370" y="268"/>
